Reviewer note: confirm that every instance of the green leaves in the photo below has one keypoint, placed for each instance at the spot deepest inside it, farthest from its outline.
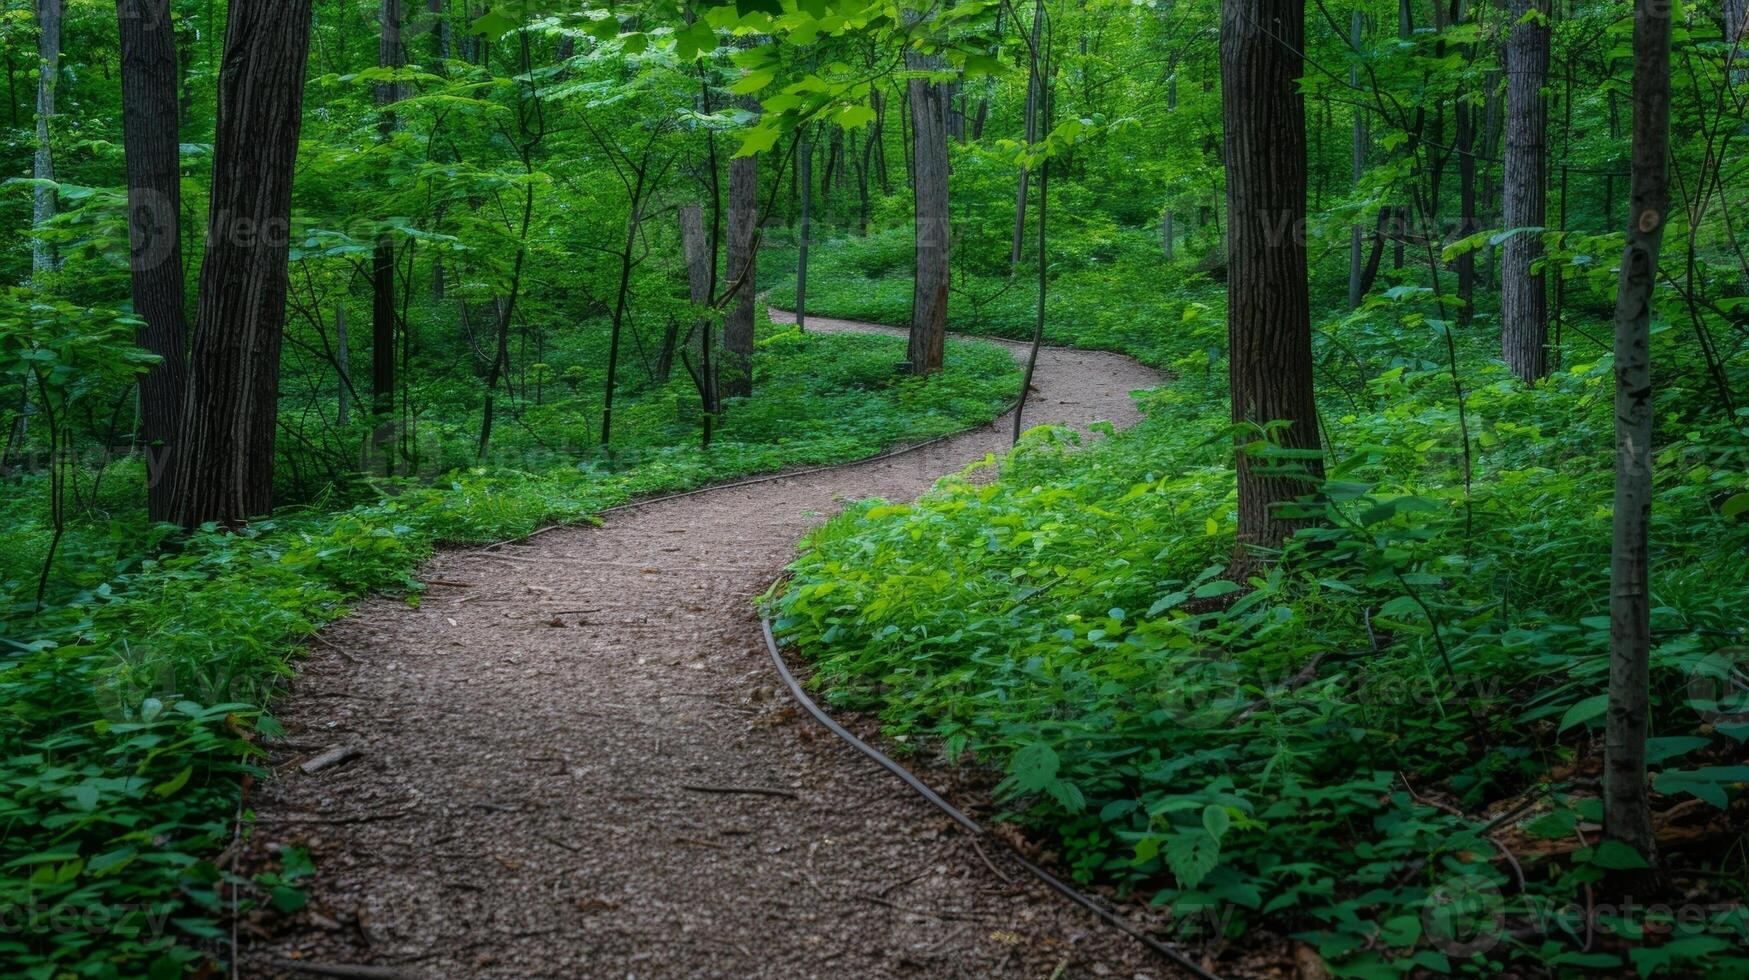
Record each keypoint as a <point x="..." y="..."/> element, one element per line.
<point x="1191" y="856"/>
<point x="1735" y="506"/>
<point x="1584" y="711"/>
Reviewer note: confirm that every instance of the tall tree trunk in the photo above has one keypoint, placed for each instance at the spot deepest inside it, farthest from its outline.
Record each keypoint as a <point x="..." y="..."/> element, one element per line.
<point x="696" y="246"/>
<point x="834" y="149"/>
<point x="1269" y="309"/>
<point x="954" y="116"/>
<point x="1357" y="166"/>
<point x="1626" y="812"/>
<point x="343" y="363"/>
<point x="1169" y="234"/>
<point x="383" y="332"/>
<point x="1488" y="197"/>
<point x="1737" y="36"/>
<point x="737" y="366"/>
<point x="804" y="157"/>
<point x="150" y="137"/>
<point x="634" y="218"/>
<point x="1031" y="117"/>
<point x="48" y="20"/>
<point x="862" y="178"/>
<point x="1400" y="231"/>
<point x="440" y="46"/>
<point x="1524" y="316"/>
<point x="879" y="137"/>
<point x="931" y="218"/>
<point x="225" y="474"/>
<point x="1468" y="223"/>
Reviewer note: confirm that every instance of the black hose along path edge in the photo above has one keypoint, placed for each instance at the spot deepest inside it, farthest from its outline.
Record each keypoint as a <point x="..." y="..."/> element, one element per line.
<point x="1057" y="884"/>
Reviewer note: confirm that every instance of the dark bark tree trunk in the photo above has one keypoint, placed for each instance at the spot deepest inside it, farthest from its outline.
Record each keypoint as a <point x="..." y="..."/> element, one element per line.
<point x="1168" y="233"/>
<point x="1524" y="316"/>
<point x="879" y="137"/>
<point x="931" y="217"/>
<point x="829" y="163"/>
<point x="343" y="364"/>
<point x="440" y="48"/>
<point x="383" y="332"/>
<point x="152" y="144"/>
<point x="225" y="473"/>
<point x="1359" y="140"/>
<point x="45" y="204"/>
<point x="1468" y="223"/>
<point x="1737" y="36"/>
<point x="805" y="164"/>
<point x="953" y="109"/>
<point x="1031" y="124"/>
<point x="627" y="262"/>
<point x="737" y="366"/>
<point x="696" y="246"/>
<point x="1626" y="811"/>
<point x="1269" y="309"/>
<point x="862" y="177"/>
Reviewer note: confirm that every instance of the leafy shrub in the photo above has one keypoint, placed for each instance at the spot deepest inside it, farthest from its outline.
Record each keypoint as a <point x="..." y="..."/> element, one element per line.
<point x="1319" y="748"/>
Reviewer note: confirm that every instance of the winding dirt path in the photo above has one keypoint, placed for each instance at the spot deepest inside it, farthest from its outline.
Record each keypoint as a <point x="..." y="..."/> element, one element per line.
<point x="545" y="754"/>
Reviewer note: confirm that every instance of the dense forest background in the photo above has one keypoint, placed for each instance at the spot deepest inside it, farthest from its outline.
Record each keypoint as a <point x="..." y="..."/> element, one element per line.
<point x="522" y="274"/>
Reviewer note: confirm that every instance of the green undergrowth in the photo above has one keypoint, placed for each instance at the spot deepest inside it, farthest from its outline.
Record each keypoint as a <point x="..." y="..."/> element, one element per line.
<point x="131" y="703"/>
<point x="1317" y="750"/>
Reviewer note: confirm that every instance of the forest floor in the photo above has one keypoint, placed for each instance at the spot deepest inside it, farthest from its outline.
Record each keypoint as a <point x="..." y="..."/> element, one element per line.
<point x="555" y="748"/>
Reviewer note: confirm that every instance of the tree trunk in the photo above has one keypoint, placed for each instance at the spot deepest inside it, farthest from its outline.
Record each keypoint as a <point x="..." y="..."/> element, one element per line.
<point x="952" y="97"/>
<point x="1357" y="165"/>
<point x="1737" y="35"/>
<point x="879" y="136"/>
<point x="1269" y="309"/>
<point x="805" y="162"/>
<point x="1626" y="812"/>
<point x="225" y="474"/>
<point x="697" y="249"/>
<point x="1169" y="234"/>
<point x="439" y="29"/>
<point x="383" y="333"/>
<point x="737" y="366"/>
<point x="343" y="363"/>
<point x="1032" y="92"/>
<point x="834" y="148"/>
<point x="931" y="219"/>
<point x="152" y="145"/>
<point x="45" y="205"/>
<point x="1468" y="224"/>
<point x="862" y="177"/>
<point x="1524" y="318"/>
<point x="634" y="218"/>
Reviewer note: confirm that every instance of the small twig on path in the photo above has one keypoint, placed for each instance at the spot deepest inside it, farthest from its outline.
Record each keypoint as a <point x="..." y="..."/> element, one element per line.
<point x="319" y="638"/>
<point x="330" y="758"/>
<point x="895" y="886"/>
<point x="993" y="869"/>
<point x="749" y="790"/>
<point x="363" y="818"/>
<point x="949" y="915"/>
<point x="448" y="584"/>
<point x="353" y="970"/>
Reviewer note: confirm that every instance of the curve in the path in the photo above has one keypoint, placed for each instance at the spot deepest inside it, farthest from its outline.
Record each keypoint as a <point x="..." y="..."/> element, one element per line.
<point x="556" y="755"/>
